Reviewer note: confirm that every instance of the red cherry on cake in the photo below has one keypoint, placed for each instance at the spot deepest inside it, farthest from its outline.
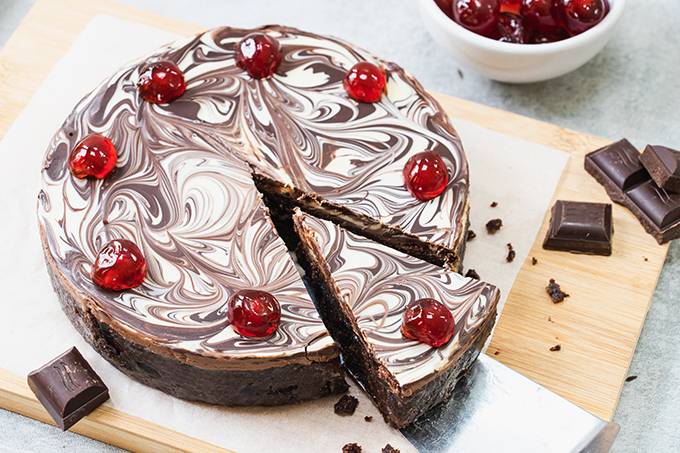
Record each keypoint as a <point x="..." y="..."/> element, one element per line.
<point x="95" y="156"/>
<point x="426" y="175"/>
<point x="511" y="28"/>
<point x="582" y="15"/>
<point x="161" y="83"/>
<point x="365" y="82"/>
<point x="428" y="321"/>
<point x="119" y="265"/>
<point x="445" y="5"/>
<point x="540" y="15"/>
<point x="253" y="313"/>
<point x="259" y="55"/>
<point x="479" y="16"/>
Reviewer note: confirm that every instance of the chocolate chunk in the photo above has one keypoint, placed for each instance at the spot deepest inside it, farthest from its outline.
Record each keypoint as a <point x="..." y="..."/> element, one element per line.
<point x="511" y="254"/>
<point x="470" y="235"/>
<point x="493" y="204"/>
<point x="556" y="294"/>
<point x="471" y="273"/>
<point x="580" y="227"/>
<point x="346" y="405"/>
<point x="631" y="378"/>
<point x="556" y="348"/>
<point x="534" y="261"/>
<point x="663" y="165"/>
<point x="493" y="225"/>
<point x="351" y="448"/>
<point x="68" y="388"/>
<point x="390" y="449"/>
<point x="368" y="418"/>
<point x="618" y="168"/>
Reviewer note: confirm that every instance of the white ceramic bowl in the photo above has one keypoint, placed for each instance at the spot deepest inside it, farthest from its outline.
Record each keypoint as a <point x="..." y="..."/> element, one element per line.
<point x="518" y="63"/>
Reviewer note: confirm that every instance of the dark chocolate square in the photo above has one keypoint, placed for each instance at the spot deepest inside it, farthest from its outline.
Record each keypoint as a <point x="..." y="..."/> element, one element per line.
<point x="580" y="227"/>
<point x="68" y="388"/>
<point x="663" y="164"/>
<point x="617" y="167"/>
<point x="660" y="206"/>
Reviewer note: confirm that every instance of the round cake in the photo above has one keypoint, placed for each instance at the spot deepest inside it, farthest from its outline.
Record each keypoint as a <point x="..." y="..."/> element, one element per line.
<point x="187" y="188"/>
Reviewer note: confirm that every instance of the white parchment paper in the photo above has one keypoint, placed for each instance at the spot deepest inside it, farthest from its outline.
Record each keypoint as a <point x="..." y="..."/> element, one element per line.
<point x="520" y="176"/>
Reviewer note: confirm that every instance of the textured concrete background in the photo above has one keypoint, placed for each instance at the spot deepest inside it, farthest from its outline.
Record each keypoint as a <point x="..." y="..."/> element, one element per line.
<point x="632" y="89"/>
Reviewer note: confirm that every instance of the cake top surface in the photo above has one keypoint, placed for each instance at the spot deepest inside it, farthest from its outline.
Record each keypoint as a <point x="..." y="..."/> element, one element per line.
<point x="378" y="282"/>
<point x="183" y="192"/>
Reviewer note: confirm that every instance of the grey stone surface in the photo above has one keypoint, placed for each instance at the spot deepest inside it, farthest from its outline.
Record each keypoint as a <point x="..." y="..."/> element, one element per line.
<point x="631" y="89"/>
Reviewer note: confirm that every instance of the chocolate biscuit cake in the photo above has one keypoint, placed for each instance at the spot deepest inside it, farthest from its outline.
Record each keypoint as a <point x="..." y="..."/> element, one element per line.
<point x="363" y="291"/>
<point x="156" y="236"/>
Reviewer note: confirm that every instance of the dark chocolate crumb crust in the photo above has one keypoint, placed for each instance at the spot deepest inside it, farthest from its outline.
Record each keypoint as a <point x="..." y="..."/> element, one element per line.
<point x="555" y="291"/>
<point x="346" y="405"/>
<point x="390" y="449"/>
<point x="493" y="225"/>
<point x="351" y="448"/>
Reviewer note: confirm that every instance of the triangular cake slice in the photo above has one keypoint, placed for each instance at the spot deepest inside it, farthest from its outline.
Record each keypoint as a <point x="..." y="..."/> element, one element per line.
<point x="362" y="289"/>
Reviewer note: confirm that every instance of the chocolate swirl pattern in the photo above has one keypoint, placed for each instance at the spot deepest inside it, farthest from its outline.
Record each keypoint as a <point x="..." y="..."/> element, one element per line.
<point x="377" y="283"/>
<point x="183" y="191"/>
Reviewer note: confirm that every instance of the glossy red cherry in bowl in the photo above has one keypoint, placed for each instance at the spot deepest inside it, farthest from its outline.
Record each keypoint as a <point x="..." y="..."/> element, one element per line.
<point x="582" y="15"/>
<point x="94" y="156"/>
<point x="259" y="55"/>
<point x="253" y="313"/>
<point x="428" y="321"/>
<point x="540" y="15"/>
<point x="119" y="265"/>
<point x="425" y="175"/>
<point x="479" y="16"/>
<point x="365" y="82"/>
<point x="511" y="29"/>
<point x="161" y="82"/>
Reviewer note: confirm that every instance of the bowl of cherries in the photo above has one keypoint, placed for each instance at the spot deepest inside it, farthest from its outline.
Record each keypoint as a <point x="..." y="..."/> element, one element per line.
<point x="522" y="41"/>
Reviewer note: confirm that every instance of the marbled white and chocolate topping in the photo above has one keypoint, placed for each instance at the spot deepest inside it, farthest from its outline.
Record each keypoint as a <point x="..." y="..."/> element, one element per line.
<point x="369" y="286"/>
<point x="190" y="125"/>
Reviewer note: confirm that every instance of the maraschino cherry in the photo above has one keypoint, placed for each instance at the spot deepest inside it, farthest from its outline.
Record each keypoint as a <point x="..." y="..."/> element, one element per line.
<point x="161" y="82"/>
<point x="511" y="28"/>
<point x="510" y="6"/>
<point x="445" y="5"/>
<point x="94" y="156"/>
<point x="259" y="55"/>
<point x="479" y="16"/>
<point x="540" y="15"/>
<point x="425" y="175"/>
<point x="119" y="265"/>
<point x="365" y="82"/>
<point x="253" y="313"/>
<point x="582" y="15"/>
<point x="428" y="321"/>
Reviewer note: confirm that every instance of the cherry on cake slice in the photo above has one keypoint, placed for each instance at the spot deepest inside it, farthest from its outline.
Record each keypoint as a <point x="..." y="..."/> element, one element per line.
<point x="407" y="329"/>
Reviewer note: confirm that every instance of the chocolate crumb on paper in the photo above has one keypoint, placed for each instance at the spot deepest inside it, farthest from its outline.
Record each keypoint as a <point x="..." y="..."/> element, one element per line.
<point x="534" y="261"/>
<point x="493" y="225"/>
<point x="555" y="291"/>
<point x="494" y="204"/>
<point x="631" y="378"/>
<point x="351" y="448"/>
<point x="390" y="449"/>
<point x="346" y="405"/>
<point x="471" y="273"/>
<point x="368" y="418"/>
<point x="511" y="254"/>
<point x="460" y="74"/>
<point x="556" y="348"/>
<point x="470" y="235"/>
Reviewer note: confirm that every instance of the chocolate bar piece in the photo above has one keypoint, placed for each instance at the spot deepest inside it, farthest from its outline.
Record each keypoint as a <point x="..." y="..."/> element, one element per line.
<point x="68" y="388"/>
<point x="663" y="165"/>
<point x="580" y="227"/>
<point x="618" y="168"/>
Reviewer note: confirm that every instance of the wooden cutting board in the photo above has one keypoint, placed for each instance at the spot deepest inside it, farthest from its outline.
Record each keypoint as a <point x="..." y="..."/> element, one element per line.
<point x="597" y="327"/>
